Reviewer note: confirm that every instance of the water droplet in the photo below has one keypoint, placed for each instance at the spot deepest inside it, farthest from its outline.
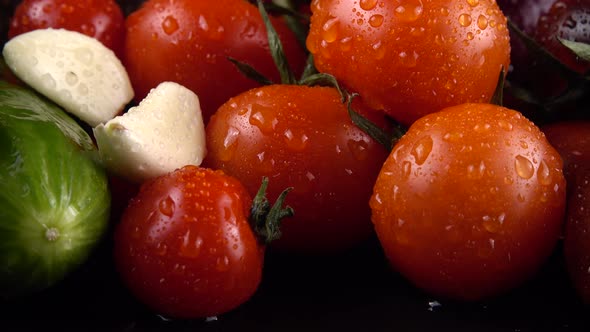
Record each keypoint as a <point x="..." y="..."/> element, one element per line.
<point x="406" y="169"/>
<point x="481" y="128"/>
<point x="65" y="94"/>
<point x="265" y="165"/>
<point x="296" y="139"/>
<point x="482" y="22"/>
<point x="475" y="172"/>
<point x="202" y="22"/>
<point x="379" y="50"/>
<point x="408" y="60"/>
<point x="33" y="61"/>
<point x="544" y="174"/>
<point x="453" y="136"/>
<point x="229" y="143"/>
<point x="84" y="55"/>
<point x="222" y="264"/>
<point x="359" y="149"/>
<point x="263" y="118"/>
<point x="465" y="20"/>
<point x="492" y="225"/>
<point x="396" y="193"/>
<point x="161" y="249"/>
<point x="450" y="84"/>
<point x="422" y="149"/>
<point x="376" y="20"/>
<point x="524" y="167"/>
<point x="48" y="81"/>
<point x="368" y="4"/>
<point x="346" y="44"/>
<point x="167" y="206"/>
<point x="505" y="125"/>
<point x="473" y="3"/>
<point x="170" y="25"/>
<point x="330" y="30"/>
<point x="409" y="10"/>
<point x="191" y="245"/>
<point x="71" y="78"/>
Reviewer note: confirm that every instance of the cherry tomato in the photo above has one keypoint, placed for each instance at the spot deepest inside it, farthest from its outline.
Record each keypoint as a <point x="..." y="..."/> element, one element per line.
<point x="301" y="137"/>
<point x="188" y="41"/>
<point x="470" y="202"/>
<point x="101" y="19"/>
<point x="411" y="58"/>
<point x="184" y="246"/>
<point x="570" y="20"/>
<point x="572" y="140"/>
<point x="576" y="244"/>
<point x="525" y="15"/>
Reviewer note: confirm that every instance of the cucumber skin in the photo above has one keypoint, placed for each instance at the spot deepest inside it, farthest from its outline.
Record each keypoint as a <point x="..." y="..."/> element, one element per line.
<point x="54" y="196"/>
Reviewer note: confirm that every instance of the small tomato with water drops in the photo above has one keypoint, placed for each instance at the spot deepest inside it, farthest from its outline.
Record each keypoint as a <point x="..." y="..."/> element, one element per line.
<point x="470" y="202"/>
<point x="189" y="42"/>
<point x="185" y="246"/>
<point x="301" y="137"/>
<point x="410" y="58"/>
<point x="101" y="19"/>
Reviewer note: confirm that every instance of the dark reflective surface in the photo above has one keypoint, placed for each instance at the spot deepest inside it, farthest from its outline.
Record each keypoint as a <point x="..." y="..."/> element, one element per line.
<point x="355" y="291"/>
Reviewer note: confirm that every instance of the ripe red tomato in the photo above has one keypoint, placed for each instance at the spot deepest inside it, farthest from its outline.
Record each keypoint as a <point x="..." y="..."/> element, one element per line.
<point x="570" y="20"/>
<point x="470" y="202"/>
<point x="188" y="41"/>
<point x="184" y="246"/>
<point x="411" y="58"/>
<point x="301" y="137"/>
<point x="101" y="19"/>
<point x="572" y="140"/>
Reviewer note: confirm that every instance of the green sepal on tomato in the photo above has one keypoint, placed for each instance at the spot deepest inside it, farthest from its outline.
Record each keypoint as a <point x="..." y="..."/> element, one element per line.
<point x="191" y="243"/>
<point x="299" y="134"/>
<point x="54" y="196"/>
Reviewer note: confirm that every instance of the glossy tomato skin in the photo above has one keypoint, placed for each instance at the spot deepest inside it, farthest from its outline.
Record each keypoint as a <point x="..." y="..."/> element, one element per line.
<point x="525" y="15"/>
<point x="411" y="58"/>
<point x="101" y="19"/>
<point x="572" y="140"/>
<point x="188" y="41"/>
<point x="576" y="243"/>
<point x="570" y="20"/>
<point x="301" y="137"/>
<point x="184" y="246"/>
<point x="470" y="202"/>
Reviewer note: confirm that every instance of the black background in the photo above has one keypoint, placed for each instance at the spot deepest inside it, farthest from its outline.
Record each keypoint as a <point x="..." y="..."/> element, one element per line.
<point x="353" y="291"/>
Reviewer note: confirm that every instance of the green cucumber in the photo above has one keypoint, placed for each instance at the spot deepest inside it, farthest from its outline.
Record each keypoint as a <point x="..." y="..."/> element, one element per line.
<point x="54" y="195"/>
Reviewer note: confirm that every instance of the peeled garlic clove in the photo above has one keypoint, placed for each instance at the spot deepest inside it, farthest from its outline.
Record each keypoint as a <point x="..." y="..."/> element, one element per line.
<point x="163" y="133"/>
<point x="76" y="71"/>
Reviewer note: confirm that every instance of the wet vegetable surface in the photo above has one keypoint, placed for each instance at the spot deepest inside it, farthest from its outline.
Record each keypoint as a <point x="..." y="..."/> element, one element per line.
<point x="355" y="291"/>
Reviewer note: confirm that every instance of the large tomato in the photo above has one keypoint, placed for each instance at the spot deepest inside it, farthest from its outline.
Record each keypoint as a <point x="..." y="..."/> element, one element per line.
<point x="189" y="41"/>
<point x="185" y="247"/>
<point x="301" y="137"/>
<point x="470" y="202"/>
<point x="411" y="58"/>
<point x="101" y="19"/>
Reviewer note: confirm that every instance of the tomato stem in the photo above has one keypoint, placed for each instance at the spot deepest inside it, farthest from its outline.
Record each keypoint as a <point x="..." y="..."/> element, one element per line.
<point x="266" y="219"/>
<point x="382" y="137"/>
<point x="276" y="48"/>
<point x="497" y="98"/>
